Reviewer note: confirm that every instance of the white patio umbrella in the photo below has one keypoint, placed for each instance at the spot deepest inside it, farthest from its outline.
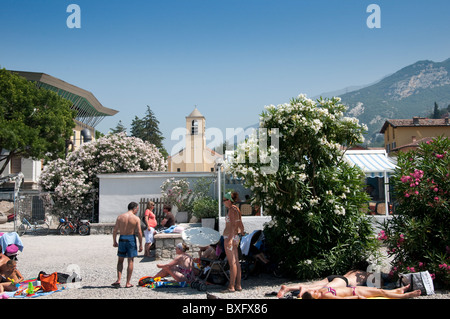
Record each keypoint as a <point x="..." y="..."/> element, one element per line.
<point x="200" y="236"/>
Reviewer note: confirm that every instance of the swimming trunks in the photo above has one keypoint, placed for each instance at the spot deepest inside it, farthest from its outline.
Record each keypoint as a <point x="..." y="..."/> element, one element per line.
<point x="127" y="246"/>
<point x="330" y="278"/>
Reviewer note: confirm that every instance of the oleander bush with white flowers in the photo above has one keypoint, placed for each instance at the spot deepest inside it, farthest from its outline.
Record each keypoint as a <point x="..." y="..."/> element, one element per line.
<point x="315" y="198"/>
<point x="71" y="185"/>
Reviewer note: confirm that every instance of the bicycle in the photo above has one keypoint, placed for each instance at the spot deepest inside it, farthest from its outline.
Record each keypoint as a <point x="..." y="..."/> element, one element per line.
<point x="61" y="229"/>
<point x="40" y="227"/>
<point x="81" y="227"/>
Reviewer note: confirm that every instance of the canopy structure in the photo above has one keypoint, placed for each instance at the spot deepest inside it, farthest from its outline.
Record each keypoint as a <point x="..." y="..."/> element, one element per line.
<point x="90" y="111"/>
<point x="374" y="163"/>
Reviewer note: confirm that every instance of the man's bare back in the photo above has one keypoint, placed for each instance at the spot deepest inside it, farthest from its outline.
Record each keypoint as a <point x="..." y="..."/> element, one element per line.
<point x="127" y="223"/>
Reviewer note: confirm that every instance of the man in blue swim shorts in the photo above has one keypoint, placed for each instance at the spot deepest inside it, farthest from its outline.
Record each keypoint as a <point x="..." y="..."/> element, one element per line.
<point x="127" y="224"/>
<point x="127" y="246"/>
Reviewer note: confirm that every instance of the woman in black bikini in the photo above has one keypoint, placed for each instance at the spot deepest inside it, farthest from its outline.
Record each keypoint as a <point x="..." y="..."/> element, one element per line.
<point x="351" y="278"/>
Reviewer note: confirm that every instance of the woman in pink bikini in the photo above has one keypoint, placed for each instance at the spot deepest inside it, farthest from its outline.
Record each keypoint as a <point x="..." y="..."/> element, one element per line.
<point x="180" y="268"/>
<point x="359" y="292"/>
<point x="233" y="227"/>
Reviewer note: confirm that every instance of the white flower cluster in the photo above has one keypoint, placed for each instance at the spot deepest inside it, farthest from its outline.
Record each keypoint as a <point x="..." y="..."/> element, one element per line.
<point x="306" y="128"/>
<point x="339" y="210"/>
<point x="73" y="182"/>
<point x="293" y="239"/>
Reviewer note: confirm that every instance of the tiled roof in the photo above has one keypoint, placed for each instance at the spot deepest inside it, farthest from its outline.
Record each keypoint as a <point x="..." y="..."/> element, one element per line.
<point x="416" y="121"/>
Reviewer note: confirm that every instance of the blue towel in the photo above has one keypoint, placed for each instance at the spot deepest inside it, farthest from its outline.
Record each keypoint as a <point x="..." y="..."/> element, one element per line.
<point x="11" y="238"/>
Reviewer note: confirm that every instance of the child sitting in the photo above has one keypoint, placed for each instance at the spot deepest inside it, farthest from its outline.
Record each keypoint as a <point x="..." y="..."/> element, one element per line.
<point x="10" y="274"/>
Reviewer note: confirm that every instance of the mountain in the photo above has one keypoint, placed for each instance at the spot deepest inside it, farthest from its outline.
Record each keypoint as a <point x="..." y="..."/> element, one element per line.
<point x="408" y="92"/>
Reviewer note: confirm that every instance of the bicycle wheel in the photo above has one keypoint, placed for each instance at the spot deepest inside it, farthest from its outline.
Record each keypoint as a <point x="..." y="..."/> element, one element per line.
<point x="62" y="230"/>
<point x="83" y="230"/>
<point x="67" y="229"/>
<point x="22" y="229"/>
<point x="42" y="229"/>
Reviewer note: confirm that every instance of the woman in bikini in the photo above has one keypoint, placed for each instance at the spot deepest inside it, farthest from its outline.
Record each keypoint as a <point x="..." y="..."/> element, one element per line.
<point x="233" y="227"/>
<point x="359" y="292"/>
<point x="180" y="268"/>
<point x="351" y="278"/>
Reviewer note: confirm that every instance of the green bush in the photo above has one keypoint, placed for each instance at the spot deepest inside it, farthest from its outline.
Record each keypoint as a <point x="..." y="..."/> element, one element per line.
<point x="418" y="237"/>
<point x="206" y="208"/>
<point x="314" y="197"/>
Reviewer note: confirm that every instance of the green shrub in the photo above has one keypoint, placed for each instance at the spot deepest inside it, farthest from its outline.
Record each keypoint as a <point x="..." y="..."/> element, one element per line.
<point x="206" y="208"/>
<point x="418" y="237"/>
<point x="314" y="197"/>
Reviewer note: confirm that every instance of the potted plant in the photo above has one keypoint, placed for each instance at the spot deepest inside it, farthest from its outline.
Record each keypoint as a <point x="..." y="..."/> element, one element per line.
<point x="207" y="210"/>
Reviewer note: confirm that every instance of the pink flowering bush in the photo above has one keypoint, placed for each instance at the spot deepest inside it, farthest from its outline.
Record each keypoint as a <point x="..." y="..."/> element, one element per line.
<point x="177" y="192"/>
<point x="71" y="185"/>
<point x="418" y="237"/>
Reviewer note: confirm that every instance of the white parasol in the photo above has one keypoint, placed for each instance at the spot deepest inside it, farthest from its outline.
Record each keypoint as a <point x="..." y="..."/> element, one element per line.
<point x="200" y="236"/>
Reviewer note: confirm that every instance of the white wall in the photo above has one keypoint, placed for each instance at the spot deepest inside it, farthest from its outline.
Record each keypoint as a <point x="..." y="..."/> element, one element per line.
<point x="251" y="223"/>
<point x="116" y="191"/>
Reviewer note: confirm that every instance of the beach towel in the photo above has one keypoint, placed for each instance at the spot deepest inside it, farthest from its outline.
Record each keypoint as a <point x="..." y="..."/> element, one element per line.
<point x="11" y="238"/>
<point x="158" y="282"/>
<point x="22" y="292"/>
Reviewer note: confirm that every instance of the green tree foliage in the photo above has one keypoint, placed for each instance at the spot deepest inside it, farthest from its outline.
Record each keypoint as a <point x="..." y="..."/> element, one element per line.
<point x="418" y="237"/>
<point x="34" y="123"/>
<point x="119" y="128"/>
<point x="147" y="129"/>
<point x="315" y="198"/>
<point x="436" y="112"/>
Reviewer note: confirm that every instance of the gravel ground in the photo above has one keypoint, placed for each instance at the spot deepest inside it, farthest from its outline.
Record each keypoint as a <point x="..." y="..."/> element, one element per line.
<point x="94" y="257"/>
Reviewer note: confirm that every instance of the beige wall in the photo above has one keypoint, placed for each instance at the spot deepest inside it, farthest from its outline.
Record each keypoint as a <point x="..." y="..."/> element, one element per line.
<point x="399" y="136"/>
<point x="195" y="157"/>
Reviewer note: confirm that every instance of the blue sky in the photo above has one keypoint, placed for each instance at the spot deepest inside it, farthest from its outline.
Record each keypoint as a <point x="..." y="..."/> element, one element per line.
<point x="228" y="57"/>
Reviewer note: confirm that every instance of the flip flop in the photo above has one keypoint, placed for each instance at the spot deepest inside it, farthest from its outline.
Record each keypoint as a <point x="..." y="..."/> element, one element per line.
<point x="130" y="286"/>
<point x="116" y="285"/>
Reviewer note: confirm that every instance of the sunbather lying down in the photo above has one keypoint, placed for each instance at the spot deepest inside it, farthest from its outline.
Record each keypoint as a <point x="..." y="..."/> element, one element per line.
<point x="351" y="278"/>
<point x="359" y="293"/>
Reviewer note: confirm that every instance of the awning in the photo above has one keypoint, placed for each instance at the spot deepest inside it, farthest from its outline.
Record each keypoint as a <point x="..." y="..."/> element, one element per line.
<point x="374" y="163"/>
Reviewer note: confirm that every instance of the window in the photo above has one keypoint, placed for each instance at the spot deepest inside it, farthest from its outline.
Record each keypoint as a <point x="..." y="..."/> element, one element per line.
<point x="16" y="164"/>
<point x="194" y="129"/>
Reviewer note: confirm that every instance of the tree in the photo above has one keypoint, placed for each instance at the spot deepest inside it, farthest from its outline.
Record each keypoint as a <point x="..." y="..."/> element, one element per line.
<point x="72" y="184"/>
<point x="418" y="236"/>
<point x="436" y="112"/>
<point x="34" y="123"/>
<point x="314" y="197"/>
<point x="147" y="129"/>
<point x="119" y="128"/>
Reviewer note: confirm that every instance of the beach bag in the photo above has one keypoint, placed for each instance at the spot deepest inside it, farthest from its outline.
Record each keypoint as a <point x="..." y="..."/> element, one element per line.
<point x="418" y="280"/>
<point x="48" y="282"/>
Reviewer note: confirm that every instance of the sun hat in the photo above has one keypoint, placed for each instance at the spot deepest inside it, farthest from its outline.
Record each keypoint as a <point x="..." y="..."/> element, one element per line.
<point x="228" y="196"/>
